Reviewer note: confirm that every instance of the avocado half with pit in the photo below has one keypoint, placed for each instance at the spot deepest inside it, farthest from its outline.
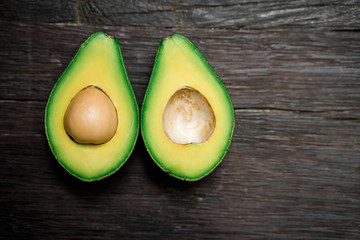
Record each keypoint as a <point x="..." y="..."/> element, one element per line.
<point x="187" y="117"/>
<point x="92" y="117"/>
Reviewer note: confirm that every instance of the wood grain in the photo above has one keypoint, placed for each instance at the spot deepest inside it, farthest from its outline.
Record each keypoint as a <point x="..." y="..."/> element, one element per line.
<point x="292" y="170"/>
<point x="299" y="71"/>
<point x="230" y="14"/>
<point x="38" y="11"/>
<point x="276" y="181"/>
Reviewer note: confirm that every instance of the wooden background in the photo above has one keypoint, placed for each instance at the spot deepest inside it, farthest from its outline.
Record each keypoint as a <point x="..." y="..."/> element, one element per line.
<point x="292" y="69"/>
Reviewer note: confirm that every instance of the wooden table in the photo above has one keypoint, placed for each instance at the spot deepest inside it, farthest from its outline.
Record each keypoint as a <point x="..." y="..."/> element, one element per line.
<point x="292" y="69"/>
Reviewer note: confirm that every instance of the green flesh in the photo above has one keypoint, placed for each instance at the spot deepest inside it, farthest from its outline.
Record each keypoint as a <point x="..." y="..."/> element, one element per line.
<point x="180" y="64"/>
<point x="98" y="62"/>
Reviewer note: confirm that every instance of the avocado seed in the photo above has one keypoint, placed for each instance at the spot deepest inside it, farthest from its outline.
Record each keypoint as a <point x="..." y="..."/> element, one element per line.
<point x="188" y="117"/>
<point x="91" y="117"/>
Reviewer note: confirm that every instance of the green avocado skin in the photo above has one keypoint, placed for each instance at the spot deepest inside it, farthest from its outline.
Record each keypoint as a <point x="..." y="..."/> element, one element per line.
<point x="150" y="91"/>
<point x="55" y="148"/>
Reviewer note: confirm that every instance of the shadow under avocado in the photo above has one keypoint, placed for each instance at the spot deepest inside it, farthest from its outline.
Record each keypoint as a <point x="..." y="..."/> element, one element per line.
<point x="94" y="189"/>
<point x="155" y="174"/>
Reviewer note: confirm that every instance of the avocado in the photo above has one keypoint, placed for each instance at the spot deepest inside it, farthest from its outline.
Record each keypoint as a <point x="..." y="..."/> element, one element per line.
<point x="187" y="117"/>
<point x="92" y="116"/>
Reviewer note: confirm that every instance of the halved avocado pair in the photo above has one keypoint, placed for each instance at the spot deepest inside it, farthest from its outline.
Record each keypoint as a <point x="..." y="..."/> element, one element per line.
<point x="92" y="117"/>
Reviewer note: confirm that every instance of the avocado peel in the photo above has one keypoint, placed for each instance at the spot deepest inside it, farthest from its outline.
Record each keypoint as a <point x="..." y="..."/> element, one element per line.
<point x="97" y="64"/>
<point x="179" y="64"/>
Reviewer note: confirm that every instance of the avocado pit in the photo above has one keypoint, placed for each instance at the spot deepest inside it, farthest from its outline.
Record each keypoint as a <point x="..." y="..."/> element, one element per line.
<point x="91" y="117"/>
<point x="188" y="117"/>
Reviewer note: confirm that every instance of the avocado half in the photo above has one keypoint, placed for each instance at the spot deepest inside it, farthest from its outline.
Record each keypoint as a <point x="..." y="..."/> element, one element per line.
<point x="98" y="63"/>
<point x="183" y="79"/>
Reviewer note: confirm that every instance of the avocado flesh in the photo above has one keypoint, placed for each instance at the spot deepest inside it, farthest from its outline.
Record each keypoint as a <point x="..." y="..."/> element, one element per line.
<point x="179" y="64"/>
<point x="99" y="63"/>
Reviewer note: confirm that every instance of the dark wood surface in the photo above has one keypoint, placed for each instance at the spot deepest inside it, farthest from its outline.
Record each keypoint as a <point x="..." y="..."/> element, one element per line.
<point x="292" y="69"/>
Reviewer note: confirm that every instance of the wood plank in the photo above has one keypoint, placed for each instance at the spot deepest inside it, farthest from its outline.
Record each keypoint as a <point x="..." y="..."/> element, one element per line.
<point x="294" y="71"/>
<point x="233" y="14"/>
<point x="38" y="11"/>
<point x="285" y="175"/>
<point x="263" y="14"/>
<point x="22" y="118"/>
<point x="292" y="170"/>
